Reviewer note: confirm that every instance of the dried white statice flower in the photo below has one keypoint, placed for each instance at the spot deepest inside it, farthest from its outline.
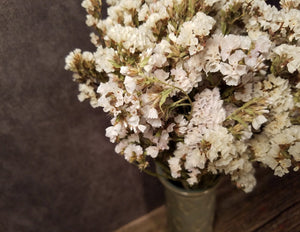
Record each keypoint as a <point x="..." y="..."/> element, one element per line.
<point x="205" y="88"/>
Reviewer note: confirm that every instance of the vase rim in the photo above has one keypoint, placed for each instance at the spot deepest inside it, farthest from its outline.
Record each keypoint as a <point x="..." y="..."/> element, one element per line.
<point x="182" y="191"/>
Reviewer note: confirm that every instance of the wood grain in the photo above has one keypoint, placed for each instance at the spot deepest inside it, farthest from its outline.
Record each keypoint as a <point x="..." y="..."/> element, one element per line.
<point x="273" y="206"/>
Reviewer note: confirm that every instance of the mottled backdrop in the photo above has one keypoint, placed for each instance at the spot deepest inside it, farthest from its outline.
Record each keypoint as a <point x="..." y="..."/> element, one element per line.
<point x="58" y="172"/>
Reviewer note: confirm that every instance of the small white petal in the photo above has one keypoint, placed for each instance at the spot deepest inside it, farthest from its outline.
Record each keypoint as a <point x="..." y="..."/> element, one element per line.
<point x="130" y="84"/>
<point x="258" y="121"/>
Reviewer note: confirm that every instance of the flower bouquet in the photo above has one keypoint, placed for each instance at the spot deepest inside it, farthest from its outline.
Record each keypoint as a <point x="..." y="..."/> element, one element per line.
<point x="204" y="88"/>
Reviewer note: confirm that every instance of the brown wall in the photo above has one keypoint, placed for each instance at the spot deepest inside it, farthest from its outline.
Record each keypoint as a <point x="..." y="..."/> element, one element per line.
<point x="58" y="172"/>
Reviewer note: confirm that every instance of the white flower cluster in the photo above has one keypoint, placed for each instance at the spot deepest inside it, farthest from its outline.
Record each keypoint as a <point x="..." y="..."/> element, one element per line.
<point x="203" y="87"/>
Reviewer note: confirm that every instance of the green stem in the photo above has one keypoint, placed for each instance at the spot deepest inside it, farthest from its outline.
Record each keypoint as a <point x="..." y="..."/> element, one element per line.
<point x="180" y="89"/>
<point x="185" y="185"/>
<point x="254" y="100"/>
<point x="191" y="9"/>
<point x="154" y="174"/>
<point x="181" y="100"/>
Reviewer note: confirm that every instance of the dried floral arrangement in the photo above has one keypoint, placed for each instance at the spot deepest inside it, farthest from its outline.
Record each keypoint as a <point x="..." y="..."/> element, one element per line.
<point x="204" y="88"/>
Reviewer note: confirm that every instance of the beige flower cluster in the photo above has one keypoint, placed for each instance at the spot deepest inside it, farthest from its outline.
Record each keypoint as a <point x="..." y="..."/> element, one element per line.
<point x="204" y="88"/>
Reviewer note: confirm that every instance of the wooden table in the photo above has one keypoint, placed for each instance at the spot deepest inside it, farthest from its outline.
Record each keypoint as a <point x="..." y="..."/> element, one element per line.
<point x="273" y="206"/>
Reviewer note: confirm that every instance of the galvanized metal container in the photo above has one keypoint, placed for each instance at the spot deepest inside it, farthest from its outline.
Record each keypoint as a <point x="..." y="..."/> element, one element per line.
<point x="189" y="210"/>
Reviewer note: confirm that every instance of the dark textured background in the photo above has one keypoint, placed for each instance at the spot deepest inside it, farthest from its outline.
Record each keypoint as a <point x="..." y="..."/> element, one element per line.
<point x="58" y="172"/>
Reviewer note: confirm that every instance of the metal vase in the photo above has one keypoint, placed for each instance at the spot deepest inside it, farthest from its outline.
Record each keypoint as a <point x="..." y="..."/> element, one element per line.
<point x="189" y="210"/>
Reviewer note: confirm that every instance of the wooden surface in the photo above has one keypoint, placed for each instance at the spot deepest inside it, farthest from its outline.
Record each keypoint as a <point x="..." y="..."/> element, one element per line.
<point x="155" y="221"/>
<point x="273" y="206"/>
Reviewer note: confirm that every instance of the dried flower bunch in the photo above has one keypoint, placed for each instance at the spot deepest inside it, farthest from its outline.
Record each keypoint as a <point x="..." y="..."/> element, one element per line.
<point x="203" y="87"/>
